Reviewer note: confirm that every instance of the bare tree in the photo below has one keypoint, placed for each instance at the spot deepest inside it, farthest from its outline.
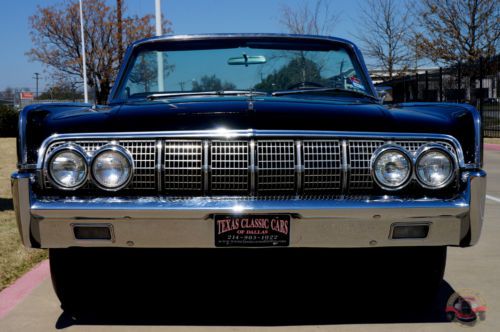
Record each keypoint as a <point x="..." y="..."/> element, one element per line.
<point x="310" y="18"/>
<point x="459" y="30"/>
<point x="56" y="39"/>
<point x="383" y="33"/>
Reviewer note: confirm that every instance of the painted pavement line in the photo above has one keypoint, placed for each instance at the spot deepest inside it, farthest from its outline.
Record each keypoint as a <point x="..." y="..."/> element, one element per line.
<point x="493" y="198"/>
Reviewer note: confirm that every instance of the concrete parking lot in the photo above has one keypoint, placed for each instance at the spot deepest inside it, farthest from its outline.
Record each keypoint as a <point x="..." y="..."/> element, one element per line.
<point x="476" y="268"/>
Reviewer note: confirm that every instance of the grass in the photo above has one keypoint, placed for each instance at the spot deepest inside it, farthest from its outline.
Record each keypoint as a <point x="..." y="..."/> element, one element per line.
<point x="15" y="259"/>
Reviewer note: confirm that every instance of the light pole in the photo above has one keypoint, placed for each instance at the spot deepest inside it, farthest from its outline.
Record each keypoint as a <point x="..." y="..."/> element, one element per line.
<point x="84" y="64"/>
<point x="120" y="29"/>
<point x="159" y="55"/>
<point x="37" y="78"/>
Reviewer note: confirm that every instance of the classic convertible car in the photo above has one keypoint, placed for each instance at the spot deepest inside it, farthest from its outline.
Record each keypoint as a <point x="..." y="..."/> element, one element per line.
<point x="235" y="141"/>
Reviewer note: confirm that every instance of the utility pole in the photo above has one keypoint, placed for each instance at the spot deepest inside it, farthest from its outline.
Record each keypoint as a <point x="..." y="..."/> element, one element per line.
<point x="120" y="29"/>
<point x="159" y="55"/>
<point x="84" y="60"/>
<point x="36" y="77"/>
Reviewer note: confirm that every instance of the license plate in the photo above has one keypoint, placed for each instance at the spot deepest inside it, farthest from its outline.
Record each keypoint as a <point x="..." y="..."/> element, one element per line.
<point x="253" y="230"/>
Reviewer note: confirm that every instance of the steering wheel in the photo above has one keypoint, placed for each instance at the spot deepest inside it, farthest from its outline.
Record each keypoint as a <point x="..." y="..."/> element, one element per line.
<point x="304" y="84"/>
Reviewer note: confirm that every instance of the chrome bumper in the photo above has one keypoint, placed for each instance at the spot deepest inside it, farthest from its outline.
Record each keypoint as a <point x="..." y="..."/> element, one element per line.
<point x="157" y="222"/>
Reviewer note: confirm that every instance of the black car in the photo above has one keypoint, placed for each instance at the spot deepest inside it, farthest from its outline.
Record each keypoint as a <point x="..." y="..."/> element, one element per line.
<point x="226" y="142"/>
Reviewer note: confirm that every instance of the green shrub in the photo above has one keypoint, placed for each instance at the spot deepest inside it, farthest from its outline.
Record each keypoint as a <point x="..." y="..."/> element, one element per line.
<point x="8" y="121"/>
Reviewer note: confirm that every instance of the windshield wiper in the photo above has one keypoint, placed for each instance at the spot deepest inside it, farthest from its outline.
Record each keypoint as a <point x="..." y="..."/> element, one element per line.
<point x="320" y="90"/>
<point x="204" y="93"/>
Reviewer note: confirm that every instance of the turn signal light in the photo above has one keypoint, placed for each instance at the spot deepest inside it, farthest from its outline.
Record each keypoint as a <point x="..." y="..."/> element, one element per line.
<point x="92" y="232"/>
<point x="410" y="231"/>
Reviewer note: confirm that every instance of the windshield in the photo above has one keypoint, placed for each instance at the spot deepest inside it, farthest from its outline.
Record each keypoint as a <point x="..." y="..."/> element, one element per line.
<point x="258" y="66"/>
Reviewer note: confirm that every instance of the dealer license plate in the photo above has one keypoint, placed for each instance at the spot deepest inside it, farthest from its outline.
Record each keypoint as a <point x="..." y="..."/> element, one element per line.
<point x="253" y="230"/>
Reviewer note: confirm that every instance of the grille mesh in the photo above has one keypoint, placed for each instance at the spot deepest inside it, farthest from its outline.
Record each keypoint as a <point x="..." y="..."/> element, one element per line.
<point x="229" y="166"/>
<point x="144" y="154"/>
<point x="228" y="163"/>
<point x="276" y="165"/>
<point x="183" y="166"/>
<point x="322" y="165"/>
<point x="360" y="153"/>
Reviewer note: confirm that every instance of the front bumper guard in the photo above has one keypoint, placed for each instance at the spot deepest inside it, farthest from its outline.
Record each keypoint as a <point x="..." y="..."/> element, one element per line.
<point x="188" y="223"/>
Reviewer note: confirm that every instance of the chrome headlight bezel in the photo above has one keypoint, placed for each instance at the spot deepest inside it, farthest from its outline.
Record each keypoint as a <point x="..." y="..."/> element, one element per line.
<point x="117" y="149"/>
<point x="451" y="156"/>
<point x="67" y="147"/>
<point x="379" y="153"/>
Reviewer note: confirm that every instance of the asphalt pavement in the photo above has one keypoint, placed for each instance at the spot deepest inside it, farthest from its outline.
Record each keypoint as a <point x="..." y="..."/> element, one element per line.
<point x="476" y="269"/>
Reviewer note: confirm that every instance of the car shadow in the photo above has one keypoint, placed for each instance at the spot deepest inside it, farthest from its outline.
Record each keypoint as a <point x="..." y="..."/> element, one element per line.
<point x="6" y="204"/>
<point x="248" y="293"/>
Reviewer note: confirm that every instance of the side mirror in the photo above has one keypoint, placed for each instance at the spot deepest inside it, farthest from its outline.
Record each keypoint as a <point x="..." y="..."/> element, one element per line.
<point x="385" y="93"/>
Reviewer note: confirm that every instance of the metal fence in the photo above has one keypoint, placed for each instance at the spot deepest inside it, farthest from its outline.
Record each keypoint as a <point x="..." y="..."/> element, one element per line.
<point x="474" y="83"/>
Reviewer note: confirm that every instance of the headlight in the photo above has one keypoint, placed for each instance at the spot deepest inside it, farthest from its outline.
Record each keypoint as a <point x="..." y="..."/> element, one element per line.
<point x="67" y="167"/>
<point x="391" y="167"/>
<point x="112" y="167"/>
<point x="434" y="167"/>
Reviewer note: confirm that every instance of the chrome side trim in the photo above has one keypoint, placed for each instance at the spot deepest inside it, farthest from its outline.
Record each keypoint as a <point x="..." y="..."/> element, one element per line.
<point x="478" y="132"/>
<point x="345" y="167"/>
<point x="299" y="167"/>
<point x="21" y="196"/>
<point x="476" y="198"/>
<point x="22" y="149"/>
<point x="252" y="168"/>
<point x="206" y="166"/>
<point x="160" y="169"/>
<point x="250" y="133"/>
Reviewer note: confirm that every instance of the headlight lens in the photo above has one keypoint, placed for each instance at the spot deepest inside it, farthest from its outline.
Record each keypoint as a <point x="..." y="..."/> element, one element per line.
<point x="392" y="169"/>
<point x="68" y="169"/>
<point x="434" y="168"/>
<point x="112" y="168"/>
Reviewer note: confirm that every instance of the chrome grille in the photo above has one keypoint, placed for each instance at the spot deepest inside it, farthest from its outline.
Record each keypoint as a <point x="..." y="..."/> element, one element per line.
<point x="360" y="153"/>
<point x="276" y="165"/>
<point x="247" y="166"/>
<point x="183" y="166"/>
<point x="322" y="165"/>
<point x="144" y="155"/>
<point x="229" y="166"/>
